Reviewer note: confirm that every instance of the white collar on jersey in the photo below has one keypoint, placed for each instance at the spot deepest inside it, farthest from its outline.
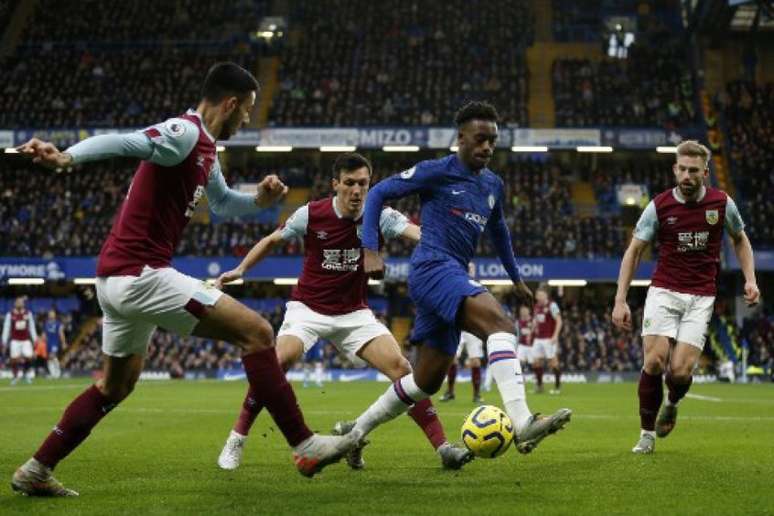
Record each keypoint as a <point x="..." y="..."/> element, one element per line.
<point x="195" y="113"/>
<point x="341" y="215"/>
<point x="679" y="196"/>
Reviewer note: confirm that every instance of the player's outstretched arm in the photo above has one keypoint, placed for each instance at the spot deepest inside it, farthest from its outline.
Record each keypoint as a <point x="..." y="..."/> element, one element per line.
<point x="256" y="254"/>
<point x="622" y="316"/>
<point x="227" y="202"/>
<point x="414" y="180"/>
<point x="166" y="144"/>
<point x="744" y="254"/>
<point x="501" y="238"/>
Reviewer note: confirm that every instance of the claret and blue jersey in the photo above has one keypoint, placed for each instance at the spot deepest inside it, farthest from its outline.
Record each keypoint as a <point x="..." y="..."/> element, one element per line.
<point x="458" y="205"/>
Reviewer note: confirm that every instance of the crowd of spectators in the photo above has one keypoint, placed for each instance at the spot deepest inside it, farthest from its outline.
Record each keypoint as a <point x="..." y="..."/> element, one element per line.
<point x="576" y="20"/>
<point x="590" y="342"/>
<point x="748" y="111"/>
<point x="402" y="63"/>
<point x="140" y="21"/>
<point x="44" y="214"/>
<point x="653" y="87"/>
<point x="66" y="88"/>
<point x="120" y="64"/>
<point x="758" y="332"/>
<point x="6" y="11"/>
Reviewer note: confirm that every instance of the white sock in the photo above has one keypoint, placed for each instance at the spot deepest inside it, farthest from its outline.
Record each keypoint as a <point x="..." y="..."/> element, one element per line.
<point x="318" y="372"/>
<point x="651" y="433"/>
<point x="236" y="435"/>
<point x="488" y="379"/>
<point x="306" y="375"/>
<point x="506" y="371"/>
<point x="395" y="401"/>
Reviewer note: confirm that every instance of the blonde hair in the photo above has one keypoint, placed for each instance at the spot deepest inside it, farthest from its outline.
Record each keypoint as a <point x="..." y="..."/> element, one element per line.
<point x="694" y="149"/>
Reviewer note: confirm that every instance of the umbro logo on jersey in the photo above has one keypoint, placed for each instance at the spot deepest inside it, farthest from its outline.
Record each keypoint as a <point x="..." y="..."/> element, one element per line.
<point x="671" y="220"/>
<point x="322" y="235"/>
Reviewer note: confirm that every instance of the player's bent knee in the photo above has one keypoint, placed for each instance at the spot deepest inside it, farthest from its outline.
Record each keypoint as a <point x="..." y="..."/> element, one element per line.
<point x="115" y="393"/>
<point x="398" y="368"/>
<point x="681" y="377"/>
<point x="259" y="335"/>
<point x="654" y="364"/>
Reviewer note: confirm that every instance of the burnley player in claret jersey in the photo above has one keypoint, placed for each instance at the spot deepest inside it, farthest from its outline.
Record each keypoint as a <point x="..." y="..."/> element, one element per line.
<point x="331" y="302"/>
<point x="18" y="335"/>
<point x="688" y="223"/>
<point x="461" y="199"/>
<point x="138" y="289"/>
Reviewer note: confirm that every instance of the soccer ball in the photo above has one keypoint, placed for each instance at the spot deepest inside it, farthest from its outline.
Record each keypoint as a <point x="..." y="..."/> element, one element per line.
<point x="487" y="432"/>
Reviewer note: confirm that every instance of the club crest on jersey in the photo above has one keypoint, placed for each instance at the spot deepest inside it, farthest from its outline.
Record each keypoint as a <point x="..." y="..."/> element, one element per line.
<point x="712" y="217"/>
<point x="406" y="174"/>
<point x="491" y="201"/>
<point x="175" y="128"/>
<point x="322" y="235"/>
<point x="671" y="220"/>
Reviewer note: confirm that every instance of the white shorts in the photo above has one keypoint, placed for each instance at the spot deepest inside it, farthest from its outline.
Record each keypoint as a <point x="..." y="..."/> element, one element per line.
<point x="21" y="348"/>
<point x="133" y="306"/>
<point x="543" y="348"/>
<point x="524" y="353"/>
<point x="348" y="332"/>
<point x="471" y="344"/>
<point x="683" y="317"/>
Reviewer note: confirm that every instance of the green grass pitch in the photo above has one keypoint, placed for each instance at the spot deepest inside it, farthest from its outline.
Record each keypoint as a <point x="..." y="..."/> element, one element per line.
<point x="156" y="453"/>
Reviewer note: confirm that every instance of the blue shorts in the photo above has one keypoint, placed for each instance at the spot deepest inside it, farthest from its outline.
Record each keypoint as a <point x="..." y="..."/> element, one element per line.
<point x="438" y="288"/>
<point x="315" y="353"/>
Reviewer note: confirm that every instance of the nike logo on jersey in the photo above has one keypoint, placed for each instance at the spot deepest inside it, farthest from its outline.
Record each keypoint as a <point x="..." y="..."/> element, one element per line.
<point x="457" y="192"/>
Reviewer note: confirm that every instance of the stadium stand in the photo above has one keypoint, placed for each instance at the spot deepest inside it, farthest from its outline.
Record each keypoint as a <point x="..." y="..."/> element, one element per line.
<point x="748" y="111"/>
<point x="6" y="10"/>
<point x="653" y="87"/>
<point x="403" y="63"/>
<point x="46" y="214"/>
<point x="97" y="88"/>
<point x="141" y="21"/>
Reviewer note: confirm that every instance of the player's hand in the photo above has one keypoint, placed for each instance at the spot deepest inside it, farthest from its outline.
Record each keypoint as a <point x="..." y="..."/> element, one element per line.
<point x="228" y="277"/>
<point x="524" y="294"/>
<point x="45" y="154"/>
<point x="373" y="264"/>
<point x="751" y="294"/>
<point x="270" y="190"/>
<point x="622" y="316"/>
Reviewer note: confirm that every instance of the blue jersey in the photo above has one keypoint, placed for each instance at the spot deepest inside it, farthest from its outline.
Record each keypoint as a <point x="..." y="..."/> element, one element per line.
<point x="52" y="334"/>
<point x="457" y="206"/>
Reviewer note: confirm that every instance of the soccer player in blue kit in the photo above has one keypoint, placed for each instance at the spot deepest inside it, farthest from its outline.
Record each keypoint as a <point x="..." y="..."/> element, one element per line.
<point x="461" y="198"/>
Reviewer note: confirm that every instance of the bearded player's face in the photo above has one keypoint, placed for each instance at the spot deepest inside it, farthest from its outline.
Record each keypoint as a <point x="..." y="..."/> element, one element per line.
<point x="239" y="116"/>
<point x="690" y="173"/>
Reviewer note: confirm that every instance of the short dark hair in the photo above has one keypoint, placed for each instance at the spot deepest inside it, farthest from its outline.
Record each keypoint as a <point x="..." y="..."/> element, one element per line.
<point x="349" y="162"/>
<point x="476" y="110"/>
<point x="228" y="79"/>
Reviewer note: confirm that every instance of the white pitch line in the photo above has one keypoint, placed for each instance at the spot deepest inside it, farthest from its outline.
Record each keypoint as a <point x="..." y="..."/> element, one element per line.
<point x="703" y="398"/>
